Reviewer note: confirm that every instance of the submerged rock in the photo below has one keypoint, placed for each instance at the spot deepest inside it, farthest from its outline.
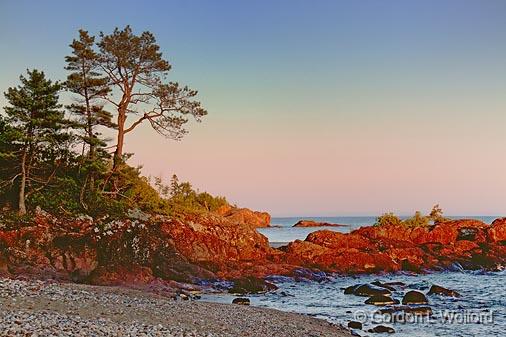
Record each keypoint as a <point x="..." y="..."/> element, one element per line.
<point x="388" y="285"/>
<point x="381" y="329"/>
<point x="438" y="290"/>
<point x="381" y="300"/>
<point x="370" y="290"/>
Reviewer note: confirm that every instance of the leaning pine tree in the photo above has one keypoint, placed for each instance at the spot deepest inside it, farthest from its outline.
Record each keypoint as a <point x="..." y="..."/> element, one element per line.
<point x="36" y="130"/>
<point x="137" y="72"/>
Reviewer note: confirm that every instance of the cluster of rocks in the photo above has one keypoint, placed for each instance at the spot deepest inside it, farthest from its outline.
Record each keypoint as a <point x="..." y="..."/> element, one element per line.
<point x="471" y="244"/>
<point x="380" y="294"/>
<point x="155" y="252"/>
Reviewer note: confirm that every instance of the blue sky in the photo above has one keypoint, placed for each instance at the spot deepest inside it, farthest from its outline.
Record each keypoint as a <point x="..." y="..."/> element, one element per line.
<point x="315" y="107"/>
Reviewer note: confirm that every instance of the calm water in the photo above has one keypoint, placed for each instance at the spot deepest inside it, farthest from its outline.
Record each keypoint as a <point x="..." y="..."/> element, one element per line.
<point x="482" y="294"/>
<point x="481" y="311"/>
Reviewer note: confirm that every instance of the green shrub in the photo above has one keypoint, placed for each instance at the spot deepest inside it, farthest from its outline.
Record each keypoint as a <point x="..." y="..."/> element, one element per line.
<point x="388" y="219"/>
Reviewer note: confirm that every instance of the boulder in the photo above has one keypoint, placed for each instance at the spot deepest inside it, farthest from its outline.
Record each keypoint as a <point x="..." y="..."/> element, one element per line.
<point x="355" y="325"/>
<point x="370" y="290"/>
<point x="251" y="285"/>
<point x="241" y="301"/>
<point x="414" y="297"/>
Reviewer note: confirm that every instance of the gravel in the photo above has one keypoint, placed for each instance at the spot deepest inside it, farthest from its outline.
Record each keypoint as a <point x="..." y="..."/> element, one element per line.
<point x="43" y="308"/>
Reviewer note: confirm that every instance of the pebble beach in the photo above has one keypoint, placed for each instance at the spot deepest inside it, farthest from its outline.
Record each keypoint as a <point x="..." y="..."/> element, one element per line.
<point x="45" y="308"/>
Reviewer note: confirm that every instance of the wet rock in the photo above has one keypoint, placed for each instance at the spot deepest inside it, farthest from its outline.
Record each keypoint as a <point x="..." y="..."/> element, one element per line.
<point x="381" y="300"/>
<point x="388" y="285"/>
<point x="351" y="289"/>
<point x="355" y="325"/>
<point x="241" y="301"/>
<point x="251" y="285"/>
<point x="423" y="311"/>
<point x="305" y="274"/>
<point x="414" y="297"/>
<point x="370" y="290"/>
<point x="381" y="329"/>
<point x="438" y="290"/>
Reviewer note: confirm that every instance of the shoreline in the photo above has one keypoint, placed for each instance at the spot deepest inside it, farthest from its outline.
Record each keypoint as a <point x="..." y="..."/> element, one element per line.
<point x="34" y="306"/>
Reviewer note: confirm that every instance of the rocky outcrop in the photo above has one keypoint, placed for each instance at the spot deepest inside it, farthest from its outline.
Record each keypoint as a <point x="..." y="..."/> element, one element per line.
<point x="311" y="223"/>
<point x="135" y="251"/>
<point x="245" y="216"/>
<point x="469" y="243"/>
<point x="153" y="250"/>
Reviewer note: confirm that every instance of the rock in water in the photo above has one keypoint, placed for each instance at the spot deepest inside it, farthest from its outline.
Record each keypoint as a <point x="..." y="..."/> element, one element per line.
<point x="241" y="301"/>
<point x="388" y="285"/>
<point x="251" y="285"/>
<point x="414" y="297"/>
<point x="381" y="329"/>
<point x="355" y="325"/>
<point x="381" y="300"/>
<point x="370" y="290"/>
<point x="438" y="290"/>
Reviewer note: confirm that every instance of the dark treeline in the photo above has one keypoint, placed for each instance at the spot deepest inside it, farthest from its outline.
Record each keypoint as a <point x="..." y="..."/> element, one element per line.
<point x="55" y="156"/>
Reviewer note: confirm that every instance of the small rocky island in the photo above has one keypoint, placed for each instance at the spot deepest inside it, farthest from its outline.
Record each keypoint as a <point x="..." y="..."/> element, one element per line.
<point x="312" y="223"/>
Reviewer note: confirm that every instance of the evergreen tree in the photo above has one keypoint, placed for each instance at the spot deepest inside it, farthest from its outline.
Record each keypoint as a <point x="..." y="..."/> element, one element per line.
<point x="86" y="82"/>
<point x="135" y="67"/>
<point x="36" y="133"/>
<point x="90" y="86"/>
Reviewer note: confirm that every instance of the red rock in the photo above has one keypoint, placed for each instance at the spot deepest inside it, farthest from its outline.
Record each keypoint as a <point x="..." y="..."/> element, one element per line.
<point x="336" y="240"/>
<point x="245" y="216"/>
<point x="497" y="231"/>
<point x="448" y="232"/>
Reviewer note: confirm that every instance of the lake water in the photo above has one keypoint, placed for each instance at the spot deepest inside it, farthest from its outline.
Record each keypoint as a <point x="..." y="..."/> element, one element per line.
<point x="481" y="311"/>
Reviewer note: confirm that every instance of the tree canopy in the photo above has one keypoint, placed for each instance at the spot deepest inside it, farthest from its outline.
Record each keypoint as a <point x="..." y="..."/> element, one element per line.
<point x="55" y="156"/>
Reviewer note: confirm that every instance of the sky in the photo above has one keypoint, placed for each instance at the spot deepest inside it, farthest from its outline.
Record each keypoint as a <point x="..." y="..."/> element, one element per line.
<point x="315" y="107"/>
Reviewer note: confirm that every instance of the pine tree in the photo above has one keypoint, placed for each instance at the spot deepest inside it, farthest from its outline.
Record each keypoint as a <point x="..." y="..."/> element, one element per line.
<point x="90" y="86"/>
<point x="136" y="69"/>
<point x="37" y="132"/>
<point x="87" y="82"/>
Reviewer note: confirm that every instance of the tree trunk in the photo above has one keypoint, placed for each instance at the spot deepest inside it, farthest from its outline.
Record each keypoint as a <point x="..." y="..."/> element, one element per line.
<point x="118" y="153"/>
<point x="22" y="185"/>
